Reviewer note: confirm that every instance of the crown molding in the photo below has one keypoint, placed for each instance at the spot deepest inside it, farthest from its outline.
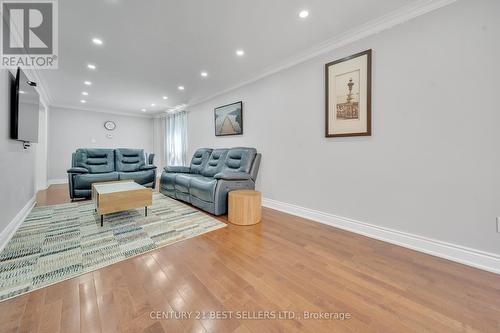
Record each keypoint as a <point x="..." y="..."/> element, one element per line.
<point x="115" y="112"/>
<point x="370" y="28"/>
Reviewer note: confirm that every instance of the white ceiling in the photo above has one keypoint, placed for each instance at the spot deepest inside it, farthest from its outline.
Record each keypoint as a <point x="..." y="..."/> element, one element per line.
<point x="153" y="46"/>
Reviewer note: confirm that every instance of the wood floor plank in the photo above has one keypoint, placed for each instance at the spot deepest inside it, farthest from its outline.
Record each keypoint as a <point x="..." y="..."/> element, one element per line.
<point x="89" y="310"/>
<point x="50" y="321"/>
<point x="285" y="263"/>
<point x="33" y="311"/>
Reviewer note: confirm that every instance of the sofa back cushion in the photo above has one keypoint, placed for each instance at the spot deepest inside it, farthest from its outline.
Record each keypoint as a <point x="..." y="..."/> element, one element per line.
<point x="215" y="162"/>
<point x="129" y="160"/>
<point x="200" y="159"/>
<point x="239" y="159"/>
<point x="96" y="160"/>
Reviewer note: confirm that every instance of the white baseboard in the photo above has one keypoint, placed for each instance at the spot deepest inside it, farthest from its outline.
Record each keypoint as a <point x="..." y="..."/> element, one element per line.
<point x="11" y="228"/>
<point x="57" y="181"/>
<point x="43" y="187"/>
<point x="464" y="255"/>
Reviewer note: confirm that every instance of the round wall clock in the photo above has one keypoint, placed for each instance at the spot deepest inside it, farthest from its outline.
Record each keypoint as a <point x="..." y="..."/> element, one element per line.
<point x="110" y="125"/>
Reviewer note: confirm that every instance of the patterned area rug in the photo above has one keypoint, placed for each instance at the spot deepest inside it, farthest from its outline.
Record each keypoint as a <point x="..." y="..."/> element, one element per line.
<point x="59" y="242"/>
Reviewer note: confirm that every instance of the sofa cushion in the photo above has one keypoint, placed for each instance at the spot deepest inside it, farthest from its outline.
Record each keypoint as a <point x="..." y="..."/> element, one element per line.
<point x="199" y="160"/>
<point x="203" y="188"/>
<point x="140" y="177"/>
<point x="215" y="162"/>
<point x="95" y="160"/>
<point x="84" y="181"/>
<point x="183" y="181"/>
<point x="167" y="180"/>
<point x="239" y="160"/>
<point x="177" y="169"/>
<point x="129" y="160"/>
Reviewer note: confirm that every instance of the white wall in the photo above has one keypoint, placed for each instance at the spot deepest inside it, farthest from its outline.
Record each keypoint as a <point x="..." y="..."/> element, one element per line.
<point x="41" y="150"/>
<point x="159" y="143"/>
<point x="70" y="129"/>
<point x="17" y="165"/>
<point x="431" y="167"/>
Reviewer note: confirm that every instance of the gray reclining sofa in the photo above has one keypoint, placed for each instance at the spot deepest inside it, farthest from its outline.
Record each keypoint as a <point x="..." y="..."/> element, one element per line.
<point x="102" y="165"/>
<point x="211" y="175"/>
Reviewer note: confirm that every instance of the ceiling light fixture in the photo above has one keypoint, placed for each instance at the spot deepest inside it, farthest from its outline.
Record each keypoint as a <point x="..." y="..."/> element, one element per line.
<point x="303" y="14"/>
<point x="143" y="110"/>
<point x="204" y="74"/>
<point x="165" y="97"/>
<point x="84" y="93"/>
<point x="97" y="41"/>
<point x="91" y="66"/>
<point x="153" y="105"/>
<point x="240" y="53"/>
<point x="83" y="101"/>
<point x="180" y="87"/>
<point x="87" y="83"/>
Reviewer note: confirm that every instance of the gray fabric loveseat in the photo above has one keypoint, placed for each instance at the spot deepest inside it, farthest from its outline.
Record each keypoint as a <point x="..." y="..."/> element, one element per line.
<point x="211" y="175"/>
<point x="102" y="165"/>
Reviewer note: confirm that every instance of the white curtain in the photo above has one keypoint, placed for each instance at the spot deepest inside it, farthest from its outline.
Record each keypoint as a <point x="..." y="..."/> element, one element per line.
<point x="176" y="139"/>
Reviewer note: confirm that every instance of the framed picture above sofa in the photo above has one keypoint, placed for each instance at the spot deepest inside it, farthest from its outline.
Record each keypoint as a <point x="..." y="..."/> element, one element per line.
<point x="229" y="119"/>
<point x="348" y="96"/>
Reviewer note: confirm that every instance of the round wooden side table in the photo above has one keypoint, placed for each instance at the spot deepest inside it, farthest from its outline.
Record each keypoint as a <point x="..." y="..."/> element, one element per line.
<point x="245" y="207"/>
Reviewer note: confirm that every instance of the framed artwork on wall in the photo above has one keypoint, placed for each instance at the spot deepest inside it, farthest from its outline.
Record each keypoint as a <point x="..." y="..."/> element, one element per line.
<point x="229" y="119"/>
<point x="348" y="96"/>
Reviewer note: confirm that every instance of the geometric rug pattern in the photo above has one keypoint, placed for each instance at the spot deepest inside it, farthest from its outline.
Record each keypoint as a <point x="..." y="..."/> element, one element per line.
<point x="59" y="242"/>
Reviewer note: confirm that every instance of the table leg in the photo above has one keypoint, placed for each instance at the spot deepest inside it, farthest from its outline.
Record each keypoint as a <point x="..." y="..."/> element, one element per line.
<point x="102" y="220"/>
<point x="146" y="211"/>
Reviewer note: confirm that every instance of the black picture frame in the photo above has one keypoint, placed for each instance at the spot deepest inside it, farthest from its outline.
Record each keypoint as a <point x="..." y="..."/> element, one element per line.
<point x="236" y="124"/>
<point x="367" y="97"/>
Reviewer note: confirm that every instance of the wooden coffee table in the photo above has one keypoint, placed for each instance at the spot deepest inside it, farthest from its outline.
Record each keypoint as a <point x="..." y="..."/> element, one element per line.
<point x="119" y="196"/>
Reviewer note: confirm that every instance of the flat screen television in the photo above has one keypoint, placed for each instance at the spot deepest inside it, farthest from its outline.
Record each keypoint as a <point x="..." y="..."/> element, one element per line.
<point x="25" y="106"/>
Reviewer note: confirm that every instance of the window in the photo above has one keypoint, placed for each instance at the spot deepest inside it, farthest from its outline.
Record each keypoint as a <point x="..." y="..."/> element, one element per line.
<point x="176" y="139"/>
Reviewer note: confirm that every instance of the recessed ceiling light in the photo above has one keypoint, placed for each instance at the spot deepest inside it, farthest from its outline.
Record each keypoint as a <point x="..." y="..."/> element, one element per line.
<point x="83" y="101"/>
<point x="91" y="66"/>
<point x="180" y="87"/>
<point x="84" y="93"/>
<point x="165" y="97"/>
<point x="204" y="74"/>
<point x="153" y="104"/>
<point x="143" y="110"/>
<point x="303" y="13"/>
<point x="87" y="83"/>
<point x="240" y="53"/>
<point x="97" y="41"/>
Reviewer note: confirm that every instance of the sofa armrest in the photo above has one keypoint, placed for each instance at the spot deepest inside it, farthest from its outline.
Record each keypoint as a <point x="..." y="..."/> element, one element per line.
<point x="78" y="170"/>
<point x="148" y="167"/>
<point x="181" y="169"/>
<point x="233" y="176"/>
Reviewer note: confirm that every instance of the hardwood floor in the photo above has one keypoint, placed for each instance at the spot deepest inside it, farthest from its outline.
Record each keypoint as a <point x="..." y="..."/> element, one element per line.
<point x="285" y="263"/>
